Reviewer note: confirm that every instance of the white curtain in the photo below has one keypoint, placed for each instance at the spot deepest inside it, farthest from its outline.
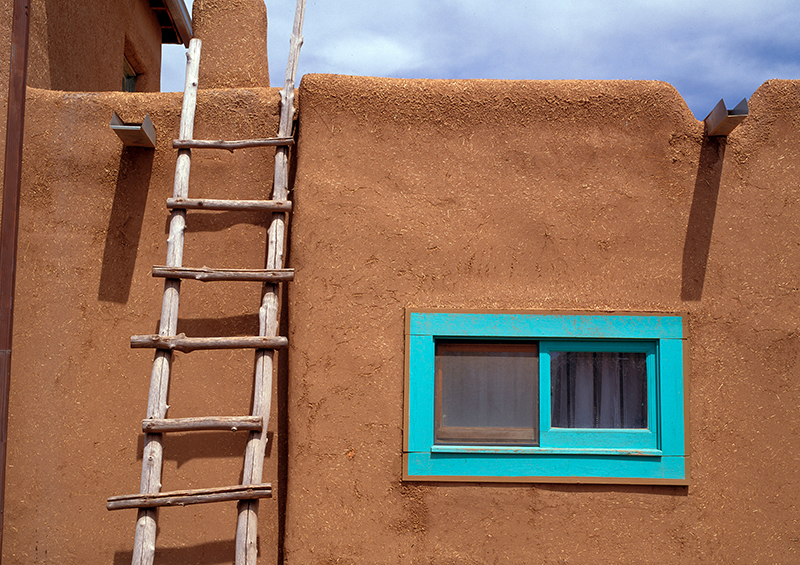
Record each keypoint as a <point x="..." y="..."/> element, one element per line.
<point x="598" y="389"/>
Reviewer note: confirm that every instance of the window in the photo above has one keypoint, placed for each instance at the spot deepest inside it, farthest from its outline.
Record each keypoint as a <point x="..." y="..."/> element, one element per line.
<point x="486" y="393"/>
<point x="128" y="77"/>
<point x="535" y="397"/>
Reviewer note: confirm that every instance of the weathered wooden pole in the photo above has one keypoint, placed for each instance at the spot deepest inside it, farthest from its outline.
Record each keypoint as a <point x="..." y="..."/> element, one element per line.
<point x="12" y="174"/>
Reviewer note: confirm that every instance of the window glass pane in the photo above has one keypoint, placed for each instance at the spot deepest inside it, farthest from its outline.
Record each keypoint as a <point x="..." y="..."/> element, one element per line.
<point x="598" y="389"/>
<point x="128" y="77"/>
<point x="487" y="393"/>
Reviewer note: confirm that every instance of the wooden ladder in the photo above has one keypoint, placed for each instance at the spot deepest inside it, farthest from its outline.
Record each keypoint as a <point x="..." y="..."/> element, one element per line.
<point x="156" y="424"/>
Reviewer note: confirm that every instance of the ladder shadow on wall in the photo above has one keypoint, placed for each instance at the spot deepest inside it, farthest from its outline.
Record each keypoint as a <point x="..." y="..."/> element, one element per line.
<point x="209" y="553"/>
<point x="243" y="324"/>
<point x="125" y="224"/>
<point x="220" y="221"/>
<point x="181" y="448"/>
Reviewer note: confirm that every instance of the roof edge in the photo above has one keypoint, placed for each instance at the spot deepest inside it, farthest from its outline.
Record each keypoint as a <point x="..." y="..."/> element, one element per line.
<point x="181" y="18"/>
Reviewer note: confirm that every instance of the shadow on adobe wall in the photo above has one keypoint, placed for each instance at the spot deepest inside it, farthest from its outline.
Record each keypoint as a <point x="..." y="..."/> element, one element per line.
<point x="661" y="490"/>
<point x="701" y="217"/>
<point x="209" y="553"/>
<point x="243" y="324"/>
<point x="215" y="445"/>
<point x="125" y="224"/>
<point x="220" y="221"/>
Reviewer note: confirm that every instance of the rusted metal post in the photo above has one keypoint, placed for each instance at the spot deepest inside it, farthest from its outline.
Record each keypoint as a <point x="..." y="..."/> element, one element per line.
<point x="12" y="174"/>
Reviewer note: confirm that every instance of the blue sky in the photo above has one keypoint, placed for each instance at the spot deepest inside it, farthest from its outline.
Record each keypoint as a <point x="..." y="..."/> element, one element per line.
<point x="707" y="49"/>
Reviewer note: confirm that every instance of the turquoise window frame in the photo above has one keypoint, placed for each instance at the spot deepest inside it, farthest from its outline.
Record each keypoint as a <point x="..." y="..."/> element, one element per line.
<point x="656" y="455"/>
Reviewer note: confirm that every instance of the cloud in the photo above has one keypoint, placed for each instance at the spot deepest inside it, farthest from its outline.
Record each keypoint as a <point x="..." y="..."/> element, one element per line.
<point x="370" y="54"/>
<point x="706" y="48"/>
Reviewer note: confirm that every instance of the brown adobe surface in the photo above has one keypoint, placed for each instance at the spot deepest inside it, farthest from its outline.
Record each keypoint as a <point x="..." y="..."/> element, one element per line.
<point x="80" y="46"/>
<point x="234" y="35"/>
<point x="453" y="194"/>
<point x="93" y="223"/>
<point x="575" y="195"/>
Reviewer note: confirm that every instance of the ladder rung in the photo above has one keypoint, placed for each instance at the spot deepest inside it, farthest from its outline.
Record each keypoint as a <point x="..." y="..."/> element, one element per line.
<point x="232" y="423"/>
<point x="194" y="496"/>
<point x="186" y="344"/>
<point x="206" y="274"/>
<point x="233" y="205"/>
<point x="230" y="145"/>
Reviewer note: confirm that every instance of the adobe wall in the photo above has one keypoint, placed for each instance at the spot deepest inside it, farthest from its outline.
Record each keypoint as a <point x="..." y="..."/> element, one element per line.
<point x="80" y="45"/>
<point x="93" y="223"/>
<point x="234" y="36"/>
<point x="576" y="195"/>
<point x="436" y="194"/>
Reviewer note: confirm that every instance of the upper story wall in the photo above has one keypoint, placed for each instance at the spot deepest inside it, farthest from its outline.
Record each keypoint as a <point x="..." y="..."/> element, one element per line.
<point x="82" y="45"/>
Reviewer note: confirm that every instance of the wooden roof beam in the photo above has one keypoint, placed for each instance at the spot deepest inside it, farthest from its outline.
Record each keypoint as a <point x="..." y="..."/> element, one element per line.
<point x="176" y="23"/>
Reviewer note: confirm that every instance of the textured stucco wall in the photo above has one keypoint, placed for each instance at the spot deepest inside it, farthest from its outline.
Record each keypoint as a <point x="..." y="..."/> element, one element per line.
<point x="234" y="34"/>
<point x="452" y="194"/>
<point x="93" y="223"/>
<point x="79" y="46"/>
<point x="571" y="195"/>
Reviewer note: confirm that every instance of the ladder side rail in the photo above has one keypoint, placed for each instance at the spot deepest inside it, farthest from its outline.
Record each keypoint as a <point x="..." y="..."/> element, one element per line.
<point x="152" y="460"/>
<point x="247" y="522"/>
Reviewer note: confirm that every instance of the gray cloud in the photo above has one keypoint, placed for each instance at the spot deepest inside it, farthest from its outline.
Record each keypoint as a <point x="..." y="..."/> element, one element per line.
<point x="707" y="49"/>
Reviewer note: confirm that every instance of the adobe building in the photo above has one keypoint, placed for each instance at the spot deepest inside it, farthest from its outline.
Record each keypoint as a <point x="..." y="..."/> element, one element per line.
<point x="102" y="45"/>
<point x="586" y="217"/>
